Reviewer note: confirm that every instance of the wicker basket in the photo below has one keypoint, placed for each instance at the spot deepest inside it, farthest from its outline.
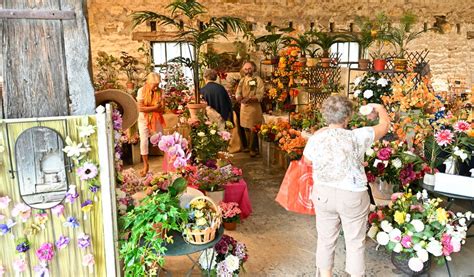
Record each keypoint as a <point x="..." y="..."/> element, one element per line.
<point x="209" y="234"/>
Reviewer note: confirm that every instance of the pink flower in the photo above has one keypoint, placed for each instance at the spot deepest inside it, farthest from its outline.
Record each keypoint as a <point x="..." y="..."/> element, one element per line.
<point x="444" y="137"/>
<point x="407" y="242"/>
<point x="384" y="153"/>
<point x="87" y="171"/>
<point x="2" y="270"/>
<point x="447" y="246"/>
<point x="19" y="265"/>
<point x="88" y="260"/>
<point x="22" y="210"/>
<point x="461" y="126"/>
<point x="155" y="139"/>
<point x="224" y="135"/>
<point x="58" y="210"/>
<point x="4" y="202"/>
<point x="418" y="208"/>
<point x="45" y="253"/>
<point x="395" y="196"/>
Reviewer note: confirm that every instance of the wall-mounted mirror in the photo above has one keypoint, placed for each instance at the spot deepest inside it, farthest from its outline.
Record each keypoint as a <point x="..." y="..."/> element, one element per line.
<point x="41" y="167"/>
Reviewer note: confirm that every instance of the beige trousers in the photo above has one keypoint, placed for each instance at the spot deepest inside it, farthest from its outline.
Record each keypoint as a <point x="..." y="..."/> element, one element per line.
<point x="335" y="207"/>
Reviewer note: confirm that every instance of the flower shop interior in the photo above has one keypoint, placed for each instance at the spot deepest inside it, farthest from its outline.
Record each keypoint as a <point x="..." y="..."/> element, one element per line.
<point x="166" y="138"/>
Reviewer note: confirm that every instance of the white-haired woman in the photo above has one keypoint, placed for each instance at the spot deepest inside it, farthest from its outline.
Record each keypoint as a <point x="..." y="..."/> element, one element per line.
<point x="150" y="119"/>
<point x="340" y="185"/>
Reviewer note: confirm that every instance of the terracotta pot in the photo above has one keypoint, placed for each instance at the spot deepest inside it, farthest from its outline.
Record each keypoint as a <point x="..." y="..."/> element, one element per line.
<point x="364" y="63"/>
<point x="310" y="62"/>
<point x="325" y="62"/>
<point x="130" y="85"/>
<point x="194" y="109"/>
<point x="230" y="226"/>
<point x="379" y="64"/>
<point x="400" y="64"/>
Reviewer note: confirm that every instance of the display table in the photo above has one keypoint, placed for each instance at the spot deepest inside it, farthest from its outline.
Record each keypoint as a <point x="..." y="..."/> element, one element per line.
<point x="238" y="192"/>
<point x="274" y="118"/>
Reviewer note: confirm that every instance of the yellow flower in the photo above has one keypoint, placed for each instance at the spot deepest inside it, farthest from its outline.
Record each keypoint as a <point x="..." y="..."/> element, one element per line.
<point x="441" y="215"/>
<point x="201" y="221"/>
<point x="198" y="214"/>
<point x="199" y="204"/>
<point x="399" y="217"/>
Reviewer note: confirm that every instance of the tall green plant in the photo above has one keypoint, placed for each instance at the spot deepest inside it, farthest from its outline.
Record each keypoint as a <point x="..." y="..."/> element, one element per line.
<point x="302" y="41"/>
<point x="400" y="36"/>
<point x="366" y="35"/>
<point x="187" y="16"/>
<point x="326" y="40"/>
<point x="107" y="73"/>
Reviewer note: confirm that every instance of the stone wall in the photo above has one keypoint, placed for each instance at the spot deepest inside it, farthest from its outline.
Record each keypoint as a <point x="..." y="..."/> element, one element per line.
<point x="451" y="54"/>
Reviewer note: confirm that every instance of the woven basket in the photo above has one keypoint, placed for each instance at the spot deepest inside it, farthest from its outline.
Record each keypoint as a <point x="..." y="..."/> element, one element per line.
<point x="209" y="234"/>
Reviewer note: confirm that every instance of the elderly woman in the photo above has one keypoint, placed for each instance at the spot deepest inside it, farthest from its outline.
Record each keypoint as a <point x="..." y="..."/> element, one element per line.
<point x="340" y="185"/>
<point x="150" y="119"/>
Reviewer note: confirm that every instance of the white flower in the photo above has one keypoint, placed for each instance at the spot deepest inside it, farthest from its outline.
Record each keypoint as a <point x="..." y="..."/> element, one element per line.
<point x="383" y="238"/>
<point x="372" y="79"/>
<point x="372" y="231"/>
<point x="448" y="258"/>
<point x="398" y="248"/>
<point x="424" y="193"/>
<point x="408" y="218"/>
<point x="201" y="134"/>
<point x="232" y="262"/>
<point x="422" y="254"/>
<point x="368" y="93"/>
<point x="75" y="150"/>
<point x="434" y="247"/>
<point x="180" y="107"/>
<point x="369" y="152"/>
<point x="395" y="235"/>
<point x="213" y="132"/>
<point x="468" y="215"/>
<point x="386" y="226"/>
<point x="418" y="195"/>
<point x="456" y="243"/>
<point x="205" y="259"/>
<point x="252" y="83"/>
<point x="382" y="82"/>
<point x="357" y="81"/>
<point x="397" y="163"/>
<point x="365" y="110"/>
<point x="417" y="247"/>
<point x="85" y="131"/>
<point x="357" y="92"/>
<point x="418" y="225"/>
<point x="415" y="264"/>
<point x="460" y="153"/>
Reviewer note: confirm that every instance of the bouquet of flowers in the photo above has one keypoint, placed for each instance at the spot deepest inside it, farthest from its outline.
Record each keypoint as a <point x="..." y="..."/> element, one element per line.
<point x="225" y="259"/>
<point x="415" y="227"/>
<point x="292" y="143"/>
<point x="284" y="77"/>
<point x="371" y="88"/>
<point x="230" y="211"/>
<point x="392" y="162"/>
<point x="207" y="140"/>
<point x="201" y="215"/>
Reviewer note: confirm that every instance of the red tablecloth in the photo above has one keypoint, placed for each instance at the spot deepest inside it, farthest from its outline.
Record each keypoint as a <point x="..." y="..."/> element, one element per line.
<point x="238" y="192"/>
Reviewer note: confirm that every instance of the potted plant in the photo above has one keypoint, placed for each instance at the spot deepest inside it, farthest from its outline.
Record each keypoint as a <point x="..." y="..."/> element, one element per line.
<point x="230" y="214"/>
<point x="416" y="229"/>
<point x="227" y="258"/>
<point x="379" y="32"/>
<point x="303" y="42"/>
<point x="188" y="17"/>
<point x="129" y="65"/>
<point x="401" y="36"/>
<point x="365" y="38"/>
<point x="106" y="77"/>
<point x="325" y="41"/>
<point x="146" y="227"/>
<point x="271" y="43"/>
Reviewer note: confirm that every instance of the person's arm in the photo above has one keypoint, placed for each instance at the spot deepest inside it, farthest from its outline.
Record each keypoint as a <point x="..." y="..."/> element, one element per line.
<point x="141" y="106"/>
<point x="238" y="93"/>
<point x="381" y="129"/>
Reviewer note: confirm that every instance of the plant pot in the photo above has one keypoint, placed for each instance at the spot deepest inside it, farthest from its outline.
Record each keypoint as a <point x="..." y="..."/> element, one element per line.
<point x="325" y="62"/>
<point x="379" y="64"/>
<point x="230" y="226"/>
<point x="364" y="63"/>
<point x="275" y="60"/>
<point x="216" y="196"/>
<point x="381" y="189"/>
<point x="429" y="180"/>
<point x="194" y="109"/>
<point x="311" y="62"/>
<point x="400" y="64"/>
<point x="400" y="261"/>
<point x="130" y="85"/>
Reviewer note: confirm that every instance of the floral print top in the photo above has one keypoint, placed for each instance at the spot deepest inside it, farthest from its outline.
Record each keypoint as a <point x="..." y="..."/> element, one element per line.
<point x="337" y="156"/>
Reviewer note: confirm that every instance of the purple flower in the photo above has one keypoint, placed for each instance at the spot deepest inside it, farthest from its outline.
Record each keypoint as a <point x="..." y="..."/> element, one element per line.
<point x="45" y="252"/>
<point x="211" y="164"/>
<point x="86" y="203"/>
<point x="407" y="242"/>
<point x="23" y="247"/>
<point x="94" y="188"/>
<point x="384" y="153"/>
<point x="5" y="228"/>
<point x="83" y="241"/>
<point x="62" y="242"/>
<point x="71" y="194"/>
<point x="71" y="222"/>
<point x="222" y="270"/>
<point x="87" y="171"/>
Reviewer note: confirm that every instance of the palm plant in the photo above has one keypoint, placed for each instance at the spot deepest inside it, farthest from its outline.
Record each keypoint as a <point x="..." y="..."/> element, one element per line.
<point x="400" y="36"/>
<point x="302" y="41"/>
<point x="272" y="42"/>
<point x="366" y="35"/>
<point x="185" y="16"/>
<point x="326" y="40"/>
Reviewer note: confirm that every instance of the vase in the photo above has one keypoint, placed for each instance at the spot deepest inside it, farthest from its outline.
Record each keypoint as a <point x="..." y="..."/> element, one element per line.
<point x="400" y="261"/>
<point x="216" y="196"/>
<point x="195" y="109"/>
<point x="381" y="189"/>
<point x="364" y="63"/>
<point x="230" y="226"/>
<point x="379" y="64"/>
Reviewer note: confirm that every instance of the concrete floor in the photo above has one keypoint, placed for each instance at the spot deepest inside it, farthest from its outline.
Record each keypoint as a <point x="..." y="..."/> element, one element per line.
<point x="282" y="243"/>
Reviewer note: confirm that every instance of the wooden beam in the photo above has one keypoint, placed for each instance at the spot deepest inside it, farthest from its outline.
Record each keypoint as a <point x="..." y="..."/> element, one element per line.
<point x="37" y="14"/>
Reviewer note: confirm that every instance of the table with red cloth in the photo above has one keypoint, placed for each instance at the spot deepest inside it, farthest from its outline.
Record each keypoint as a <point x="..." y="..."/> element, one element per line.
<point x="238" y="192"/>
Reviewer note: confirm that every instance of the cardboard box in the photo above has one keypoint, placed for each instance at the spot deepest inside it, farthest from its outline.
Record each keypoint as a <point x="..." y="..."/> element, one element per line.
<point x="454" y="184"/>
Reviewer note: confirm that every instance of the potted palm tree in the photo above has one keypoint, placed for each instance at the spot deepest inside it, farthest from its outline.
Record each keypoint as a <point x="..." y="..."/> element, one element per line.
<point x="379" y="31"/>
<point x="325" y="41"/>
<point x="188" y="17"/>
<point x="271" y="43"/>
<point x="365" y="38"/>
<point x="400" y="36"/>
<point x="303" y="42"/>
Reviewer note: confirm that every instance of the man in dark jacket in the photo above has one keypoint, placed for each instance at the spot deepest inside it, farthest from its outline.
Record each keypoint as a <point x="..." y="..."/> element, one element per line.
<point x="216" y="95"/>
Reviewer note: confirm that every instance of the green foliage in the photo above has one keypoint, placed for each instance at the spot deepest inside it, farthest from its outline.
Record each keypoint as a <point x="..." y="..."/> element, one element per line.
<point x="432" y="152"/>
<point x="326" y="40"/>
<point x="107" y="73"/>
<point x="401" y="35"/>
<point x="129" y="65"/>
<point x="206" y="140"/>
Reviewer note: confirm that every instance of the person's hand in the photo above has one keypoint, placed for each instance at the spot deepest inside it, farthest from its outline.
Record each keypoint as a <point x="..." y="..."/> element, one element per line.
<point x="245" y="100"/>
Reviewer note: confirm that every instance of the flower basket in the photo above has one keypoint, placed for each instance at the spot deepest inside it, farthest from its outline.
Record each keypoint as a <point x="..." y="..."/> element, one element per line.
<point x="400" y="261"/>
<point x="195" y="236"/>
<point x="216" y="196"/>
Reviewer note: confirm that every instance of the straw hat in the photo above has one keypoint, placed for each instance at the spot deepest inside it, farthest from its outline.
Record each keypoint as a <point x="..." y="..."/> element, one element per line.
<point x="126" y="102"/>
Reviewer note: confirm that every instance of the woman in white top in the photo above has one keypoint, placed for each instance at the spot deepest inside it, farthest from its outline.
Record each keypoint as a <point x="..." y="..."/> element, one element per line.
<point x="150" y="118"/>
<point x="340" y="185"/>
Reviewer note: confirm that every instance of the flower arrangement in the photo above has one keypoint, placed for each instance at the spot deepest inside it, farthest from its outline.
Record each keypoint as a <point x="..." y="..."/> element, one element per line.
<point x="283" y="78"/>
<point x="307" y="119"/>
<point x="392" y="162"/>
<point x="292" y="143"/>
<point x="417" y="227"/>
<point x="176" y="88"/>
<point x="201" y="215"/>
<point x="230" y="211"/>
<point x="270" y="131"/>
<point x="211" y="177"/>
<point x="371" y="88"/>
<point x="226" y="258"/>
<point x="175" y="146"/>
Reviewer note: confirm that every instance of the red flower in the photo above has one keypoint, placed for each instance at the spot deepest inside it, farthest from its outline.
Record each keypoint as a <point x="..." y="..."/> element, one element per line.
<point x="373" y="216"/>
<point x="370" y="177"/>
<point x="384" y="153"/>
